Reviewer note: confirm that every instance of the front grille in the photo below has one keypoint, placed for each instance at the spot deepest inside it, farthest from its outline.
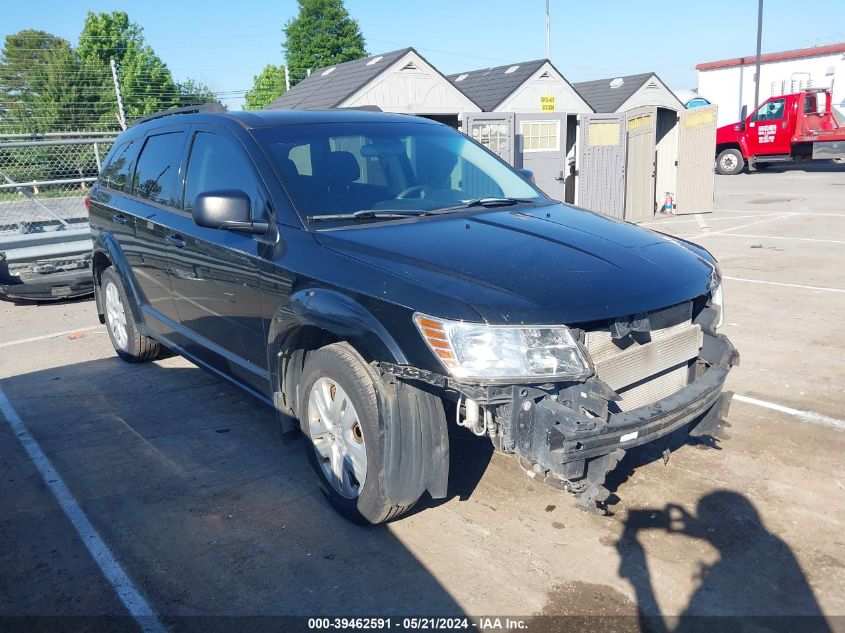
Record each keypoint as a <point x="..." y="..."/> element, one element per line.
<point x="644" y="369"/>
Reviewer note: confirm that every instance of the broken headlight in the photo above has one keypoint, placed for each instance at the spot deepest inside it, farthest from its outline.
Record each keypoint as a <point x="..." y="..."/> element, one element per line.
<point x="716" y="298"/>
<point x="475" y="351"/>
<point x="717" y="302"/>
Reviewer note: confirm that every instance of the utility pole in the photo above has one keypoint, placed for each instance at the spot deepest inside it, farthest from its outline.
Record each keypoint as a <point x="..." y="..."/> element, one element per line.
<point x="549" y="31"/>
<point x="759" y="43"/>
<point x="287" y="78"/>
<point x="121" y="114"/>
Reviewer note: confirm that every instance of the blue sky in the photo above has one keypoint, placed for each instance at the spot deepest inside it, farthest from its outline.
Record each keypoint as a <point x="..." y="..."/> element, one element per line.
<point x="226" y="44"/>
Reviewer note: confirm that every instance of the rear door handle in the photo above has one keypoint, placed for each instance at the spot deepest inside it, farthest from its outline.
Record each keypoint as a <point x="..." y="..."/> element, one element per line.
<point x="175" y="240"/>
<point x="120" y="218"/>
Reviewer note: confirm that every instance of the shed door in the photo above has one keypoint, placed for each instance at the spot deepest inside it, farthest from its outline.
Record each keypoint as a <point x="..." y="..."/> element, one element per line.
<point x="641" y="164"/>
<point x="494" y="130"/>
<point x="541" y="147"/>
<point x="696" y="150"/>
<point x="601" y="164"/>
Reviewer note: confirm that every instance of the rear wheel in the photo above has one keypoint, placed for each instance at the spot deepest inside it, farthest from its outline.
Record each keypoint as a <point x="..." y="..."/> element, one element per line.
<point x="340" y="415"/>
<point x="730" y="162"/>
<point x="128" y="342"/>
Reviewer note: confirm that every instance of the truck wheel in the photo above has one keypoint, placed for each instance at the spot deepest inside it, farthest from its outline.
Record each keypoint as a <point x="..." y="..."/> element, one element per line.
<point x="730" y="162"/>
<point x="341" y="418"/>
<point x="128" y="342"/>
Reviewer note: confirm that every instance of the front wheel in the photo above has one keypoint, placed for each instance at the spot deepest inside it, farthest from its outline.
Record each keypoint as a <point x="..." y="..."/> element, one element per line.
<point x="341" y="418"/>
<point x="730" y="162"/>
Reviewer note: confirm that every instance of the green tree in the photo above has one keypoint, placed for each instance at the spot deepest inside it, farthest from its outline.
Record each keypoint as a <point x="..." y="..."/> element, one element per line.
<point x="322" y="34"/>
<point x="73" y="96"/>
<point x="267" y="86"/>
<point x="23" y="75"/>
<point x="193" y="92"/>
<point x="146" y="82"/>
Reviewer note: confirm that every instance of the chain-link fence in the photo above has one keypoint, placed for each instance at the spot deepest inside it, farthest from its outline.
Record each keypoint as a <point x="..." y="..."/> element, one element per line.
<point x="44" y="179"/>
<point x="45" y="242"/>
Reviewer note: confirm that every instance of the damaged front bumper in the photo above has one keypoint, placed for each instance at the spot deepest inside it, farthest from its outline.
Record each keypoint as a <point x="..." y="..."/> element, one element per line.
<point x="553" y="431"/>
<point x="575" y="451"/>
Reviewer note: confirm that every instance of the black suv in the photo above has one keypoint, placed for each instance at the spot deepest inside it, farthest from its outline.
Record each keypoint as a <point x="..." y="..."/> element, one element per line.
<point x="373" y="275"/>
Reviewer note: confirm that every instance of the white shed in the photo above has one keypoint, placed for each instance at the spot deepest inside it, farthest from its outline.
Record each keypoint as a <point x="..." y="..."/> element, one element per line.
<point x="399" y="81"/>
<point x="729" y="83"/>
<point x="621" y="94"/>
<point x="535" y="86"/>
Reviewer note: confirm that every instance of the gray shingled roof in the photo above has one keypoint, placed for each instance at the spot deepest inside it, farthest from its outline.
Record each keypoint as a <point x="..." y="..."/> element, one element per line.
<point x="603" y="98"/>
<point x="321" y="92"/>
<point x="488" y="87"/>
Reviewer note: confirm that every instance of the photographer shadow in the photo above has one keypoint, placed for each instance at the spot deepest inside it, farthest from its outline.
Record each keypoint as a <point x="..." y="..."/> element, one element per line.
<point x="755" y="585"/>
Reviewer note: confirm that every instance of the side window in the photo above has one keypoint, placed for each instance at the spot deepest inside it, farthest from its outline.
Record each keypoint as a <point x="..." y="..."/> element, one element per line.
<point x="156" y="176"/>
<point x="771" y="111"/>
<point x="217" y="162"/>
<point x="116" y="173"/>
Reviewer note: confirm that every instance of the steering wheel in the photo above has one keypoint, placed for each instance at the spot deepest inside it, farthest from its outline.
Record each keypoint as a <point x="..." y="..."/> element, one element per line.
<point x="421" y="190"/>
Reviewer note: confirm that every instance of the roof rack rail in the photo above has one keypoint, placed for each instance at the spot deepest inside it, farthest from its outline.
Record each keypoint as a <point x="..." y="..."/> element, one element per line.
<point x="192" y="109"/>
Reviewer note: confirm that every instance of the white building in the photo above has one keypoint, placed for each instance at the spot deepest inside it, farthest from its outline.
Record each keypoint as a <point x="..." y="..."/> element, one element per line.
<point x="535" y="86"/>
<point x="398" y="81"/>
<point x="729" y="83"/>
<point x="620" y="94"/>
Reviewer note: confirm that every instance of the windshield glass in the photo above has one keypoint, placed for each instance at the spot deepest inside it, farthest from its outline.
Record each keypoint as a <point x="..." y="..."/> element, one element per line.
<point x="412" y="167"/>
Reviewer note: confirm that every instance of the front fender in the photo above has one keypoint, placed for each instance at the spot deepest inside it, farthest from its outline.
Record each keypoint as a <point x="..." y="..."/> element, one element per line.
<point x="321" y="309"/>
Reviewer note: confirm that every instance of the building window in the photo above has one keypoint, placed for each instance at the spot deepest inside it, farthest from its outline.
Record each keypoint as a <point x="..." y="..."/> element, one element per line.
<point x="540" y="136"/>
<point x="603" y="133"/>
<point x="643" y="120"/>
<point x="493" y="135"/>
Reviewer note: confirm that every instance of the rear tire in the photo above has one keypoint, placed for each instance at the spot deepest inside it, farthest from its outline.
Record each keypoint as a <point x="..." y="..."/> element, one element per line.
<point x="730" y="162"/>
<point x="128" y="342"/>
<point x="340" y="417"/>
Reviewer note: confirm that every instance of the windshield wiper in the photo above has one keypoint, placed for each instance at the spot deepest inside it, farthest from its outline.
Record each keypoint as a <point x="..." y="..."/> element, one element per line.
<point x="485" y="202"/>
<point x="366" y="214"/>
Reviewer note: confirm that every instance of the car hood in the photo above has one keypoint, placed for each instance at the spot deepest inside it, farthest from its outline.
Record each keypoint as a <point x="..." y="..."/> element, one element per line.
<point x="551" y="264"/>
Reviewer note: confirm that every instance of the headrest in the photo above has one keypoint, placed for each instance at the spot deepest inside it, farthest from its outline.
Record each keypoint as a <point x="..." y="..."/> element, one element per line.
<point x="343" y="167"/>
<point x="288" y="168"/>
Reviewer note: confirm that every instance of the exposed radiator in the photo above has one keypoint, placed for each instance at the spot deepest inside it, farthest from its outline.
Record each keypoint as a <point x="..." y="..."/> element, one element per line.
<point x="645" y="372"/>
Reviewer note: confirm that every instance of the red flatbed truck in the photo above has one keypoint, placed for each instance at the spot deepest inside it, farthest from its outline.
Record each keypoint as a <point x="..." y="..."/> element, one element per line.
<point x="793" y="127"/>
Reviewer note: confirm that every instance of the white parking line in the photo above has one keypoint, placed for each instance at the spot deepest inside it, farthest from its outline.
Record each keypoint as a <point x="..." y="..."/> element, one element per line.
<point x="779" y="283"/>
<point x="783" y="237"/>
<point x="128" y="593"/>
<point x="671" y="220"/>
<point x="701" y="223"/>
<point x="743" y="226"/>
<point x="807" y="416"/>
<point x="44" y="337"/>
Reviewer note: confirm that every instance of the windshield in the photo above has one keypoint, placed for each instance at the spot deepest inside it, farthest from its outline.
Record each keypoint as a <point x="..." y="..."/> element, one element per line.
<point x="409" y="167"/>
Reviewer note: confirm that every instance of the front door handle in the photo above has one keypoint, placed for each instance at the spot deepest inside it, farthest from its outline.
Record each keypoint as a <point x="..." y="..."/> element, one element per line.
<point x="120" y="218"/>
<point x="176" y="240"/>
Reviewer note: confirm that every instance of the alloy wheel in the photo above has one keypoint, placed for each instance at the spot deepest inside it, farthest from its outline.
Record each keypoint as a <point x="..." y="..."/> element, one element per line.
<point x="116" y="316"/>
<point x="337" y="437"/>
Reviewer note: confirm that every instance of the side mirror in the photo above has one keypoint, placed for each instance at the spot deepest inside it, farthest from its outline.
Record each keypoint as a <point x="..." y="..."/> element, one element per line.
<point x="743" y="115"/>
<point x="527" y="174"/>
<point x="227" y="209"/>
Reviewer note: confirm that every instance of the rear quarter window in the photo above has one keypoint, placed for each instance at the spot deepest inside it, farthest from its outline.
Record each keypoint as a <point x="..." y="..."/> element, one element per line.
<point x="116" y="174"/>
<point x="156" y="173"/>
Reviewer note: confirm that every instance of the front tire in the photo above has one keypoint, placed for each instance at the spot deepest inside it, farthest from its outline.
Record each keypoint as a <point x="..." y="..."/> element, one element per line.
<point x="128" y="342"/>
<point x="730" y="162"/>
<point x="340" y="416"/>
